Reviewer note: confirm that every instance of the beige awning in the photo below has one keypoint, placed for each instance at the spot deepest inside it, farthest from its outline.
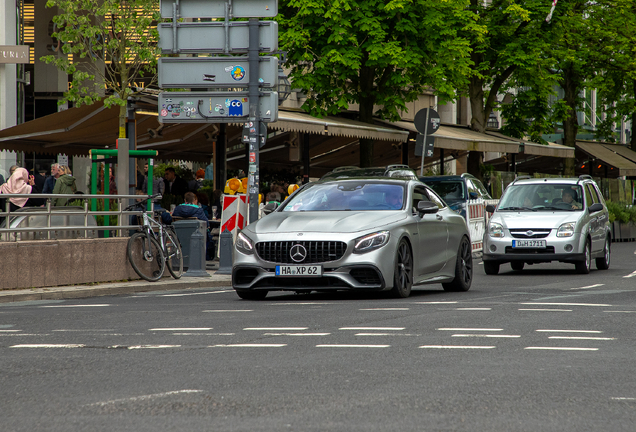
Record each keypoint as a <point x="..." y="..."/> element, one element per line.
<point x="616" y="155"/>
<point x="462" y="138"/>
<point x="536" y="149"/>
<point x="335" y="126"/>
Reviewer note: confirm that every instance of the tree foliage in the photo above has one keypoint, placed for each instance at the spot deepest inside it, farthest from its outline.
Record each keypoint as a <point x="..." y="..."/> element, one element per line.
<point x="106" y="44"/>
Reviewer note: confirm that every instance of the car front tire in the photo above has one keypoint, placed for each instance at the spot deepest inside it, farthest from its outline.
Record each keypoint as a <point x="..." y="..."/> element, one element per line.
<point x="403" y="274"/>
<point x="251" y="295"/>
<point x="583" y="267"/>
<point x="463" y="268"/>
<point x="491" y="267"/>
<point x="517" y="265"/>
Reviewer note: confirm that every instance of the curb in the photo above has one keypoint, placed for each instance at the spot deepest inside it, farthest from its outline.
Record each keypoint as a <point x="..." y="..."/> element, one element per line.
<point x="83" y="291"/>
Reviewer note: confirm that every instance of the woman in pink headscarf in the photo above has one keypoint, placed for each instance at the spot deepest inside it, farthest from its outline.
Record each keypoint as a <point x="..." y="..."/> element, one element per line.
<point x="19" y="183"/>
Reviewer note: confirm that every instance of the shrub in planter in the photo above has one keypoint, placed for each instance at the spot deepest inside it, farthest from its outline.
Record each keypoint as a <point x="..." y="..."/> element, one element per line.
<point x="621" y="212"/>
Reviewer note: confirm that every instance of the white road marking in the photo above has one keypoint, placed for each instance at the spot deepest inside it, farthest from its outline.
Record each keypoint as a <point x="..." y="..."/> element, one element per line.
<point x="385" y="334"/>
<point x="624" y="398"/>
<point x="148" y="346"/>
<point x="48" y="346"/>
<point x="632" y="274"/>
<point x="299" y="303"/>
<point x="620" y="311"/>
<point x="350" y="346"/>
<point x="456" y="347"/>
<point x="202" y="334"/>
<point x="569" y="331"/>
<point x="144" y="397"/>
<point x="23" y="334"/>
<point x="182" y="329"/>
<point x="566" y="304"/>
<point x="84" y="330"/>
<point x="547" y="310"/>
<point x="248" y="345"/>
<point x="588" y="287"/>
<point x="468" y="329"/>
<point x="72" y="306"/>
<point x="486" y="335"/>
<point x="474" y="309"/>
<point x="384" y="309"/>
<point x="275" y="328"/>
<point x="191" y="294"/>
<point x="561" y="348"/>
<point x="582" y="338"/>
<point x="296" y="334"/>
<point x="229" y="310"/>
<point x="372" y="328"/>
<point x="10" y="331"/>
<point x="436" y="302"/>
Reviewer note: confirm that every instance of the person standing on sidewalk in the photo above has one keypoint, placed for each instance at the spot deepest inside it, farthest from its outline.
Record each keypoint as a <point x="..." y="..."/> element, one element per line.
<point x="65" y="184"/>
<point x="49" y="183"/>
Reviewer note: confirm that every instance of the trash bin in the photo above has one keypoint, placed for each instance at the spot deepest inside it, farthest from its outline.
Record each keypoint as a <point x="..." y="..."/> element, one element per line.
<point x="184" y="229"/>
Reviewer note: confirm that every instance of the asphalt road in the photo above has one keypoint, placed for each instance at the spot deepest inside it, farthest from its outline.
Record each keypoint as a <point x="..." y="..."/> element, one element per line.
<point x="541" y="350"/>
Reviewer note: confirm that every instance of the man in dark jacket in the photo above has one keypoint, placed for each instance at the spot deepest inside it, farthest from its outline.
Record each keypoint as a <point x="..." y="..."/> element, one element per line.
<point x="175" y="185"/>
<point x="189" y="209"/>
<point x="49" y="183"/>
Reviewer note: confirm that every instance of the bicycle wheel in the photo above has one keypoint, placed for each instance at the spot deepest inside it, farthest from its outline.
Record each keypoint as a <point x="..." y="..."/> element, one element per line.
<point x="174" y="256"/>
<point x="146" y="258"/>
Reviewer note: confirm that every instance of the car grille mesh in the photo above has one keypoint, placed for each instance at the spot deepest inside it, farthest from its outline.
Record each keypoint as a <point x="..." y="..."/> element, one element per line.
<point x="317" y="251"/>
<point x="536" y="233"/>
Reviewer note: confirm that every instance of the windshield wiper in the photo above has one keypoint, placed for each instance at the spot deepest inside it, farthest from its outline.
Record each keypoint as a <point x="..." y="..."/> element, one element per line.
<point x="517" y="208"/>
<point x="555" y="208"/>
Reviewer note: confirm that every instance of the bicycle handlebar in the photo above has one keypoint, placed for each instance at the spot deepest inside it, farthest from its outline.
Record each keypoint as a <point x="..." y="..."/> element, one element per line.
<point x="132" y="206"/>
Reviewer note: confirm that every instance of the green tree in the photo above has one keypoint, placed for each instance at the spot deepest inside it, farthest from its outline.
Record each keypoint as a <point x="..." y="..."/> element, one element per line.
<point x="378" y="54"/>
<point x="111" y="44"/>
<point x="512" y="51"/>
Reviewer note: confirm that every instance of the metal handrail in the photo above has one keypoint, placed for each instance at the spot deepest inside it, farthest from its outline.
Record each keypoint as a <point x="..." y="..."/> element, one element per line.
<point x="49" y="212"/>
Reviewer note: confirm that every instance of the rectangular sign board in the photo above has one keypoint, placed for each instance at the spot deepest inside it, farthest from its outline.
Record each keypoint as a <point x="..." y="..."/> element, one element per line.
<point x="14" y="54"/>
<point x="214" y="107"/>
<point x="207" y="72"/>
<point x="209" y="37"/>
<point x="216" y="9"/>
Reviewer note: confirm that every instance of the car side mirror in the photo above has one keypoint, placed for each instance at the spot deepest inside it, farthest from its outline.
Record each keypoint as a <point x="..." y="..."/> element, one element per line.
<point x="473" y="195"/>
<point x="596" y="207"/>
<point x="427" y="207"/>
<point x="490" y="208"/>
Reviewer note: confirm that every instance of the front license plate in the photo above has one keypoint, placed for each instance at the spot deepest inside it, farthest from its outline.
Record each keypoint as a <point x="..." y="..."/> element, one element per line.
<point x="296" y="270"/>
<point x="536" y="244"/>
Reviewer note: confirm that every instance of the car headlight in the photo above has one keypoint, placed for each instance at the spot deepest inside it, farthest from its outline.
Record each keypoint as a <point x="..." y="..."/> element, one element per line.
<point x="495" y="229"/>
<point x="371" y="242"/>
<point x="244" y="244"/>
<point x="566" y="230"/>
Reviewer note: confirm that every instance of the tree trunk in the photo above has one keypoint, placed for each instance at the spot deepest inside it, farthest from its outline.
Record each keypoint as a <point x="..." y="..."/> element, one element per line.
<point x="633" y="134"/>
<point x="367" y="100"/>
<point x="478" y="122"/>
<point x="571" y="84"/>
<point x="122" y="121"/>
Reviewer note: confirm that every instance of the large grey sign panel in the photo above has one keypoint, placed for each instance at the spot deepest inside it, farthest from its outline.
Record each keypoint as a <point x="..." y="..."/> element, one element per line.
<point x="216" y="9"/>
<point x="214" y="107"/>
<point x="209" y="37"/>
<point x="207" y="72"/>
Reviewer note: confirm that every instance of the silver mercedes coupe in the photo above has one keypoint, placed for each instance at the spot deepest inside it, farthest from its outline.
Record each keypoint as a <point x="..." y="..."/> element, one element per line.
<point x="373" y="233"/>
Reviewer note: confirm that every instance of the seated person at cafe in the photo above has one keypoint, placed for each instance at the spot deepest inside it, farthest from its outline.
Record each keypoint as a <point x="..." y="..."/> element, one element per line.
<point x="189" y="209"/>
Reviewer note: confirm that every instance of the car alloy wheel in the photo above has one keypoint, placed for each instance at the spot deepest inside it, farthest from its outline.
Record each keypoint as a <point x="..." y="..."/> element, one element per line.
<point x="583" y="267"/>
<point x="403" y="275"/>
<point x="463" y="268"/>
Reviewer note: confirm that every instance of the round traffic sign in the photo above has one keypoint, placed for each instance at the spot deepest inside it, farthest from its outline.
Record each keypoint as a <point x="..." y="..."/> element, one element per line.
<point x="433" y="121"/>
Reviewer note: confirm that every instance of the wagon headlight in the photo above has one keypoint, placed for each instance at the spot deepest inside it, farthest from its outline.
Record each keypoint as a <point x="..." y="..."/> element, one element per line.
<point x="566" y="230"/>
<point x="244" y="244"/>
<point x="371" y="242"/>
<point x="495" y="229"/>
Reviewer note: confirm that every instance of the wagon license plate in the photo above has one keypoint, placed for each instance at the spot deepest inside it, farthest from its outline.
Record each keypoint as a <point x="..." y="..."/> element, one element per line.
<point x="298" y="270"/>
<point x="531" y="244"/>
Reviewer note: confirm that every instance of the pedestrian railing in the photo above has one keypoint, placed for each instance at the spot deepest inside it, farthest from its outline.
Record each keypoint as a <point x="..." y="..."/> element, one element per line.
<point x="49" y="222"/>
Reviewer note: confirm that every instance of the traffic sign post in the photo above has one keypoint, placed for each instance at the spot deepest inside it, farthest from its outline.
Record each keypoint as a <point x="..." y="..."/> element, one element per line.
<point x="426" y="121"/>
<point x="206" y="72"/>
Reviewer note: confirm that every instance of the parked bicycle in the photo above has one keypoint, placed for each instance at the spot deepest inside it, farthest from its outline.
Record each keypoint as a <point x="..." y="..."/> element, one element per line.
<point x="154" y="247"/>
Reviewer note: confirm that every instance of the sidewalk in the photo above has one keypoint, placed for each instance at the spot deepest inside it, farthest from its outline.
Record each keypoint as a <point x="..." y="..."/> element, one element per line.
<point x="116" y="288"/>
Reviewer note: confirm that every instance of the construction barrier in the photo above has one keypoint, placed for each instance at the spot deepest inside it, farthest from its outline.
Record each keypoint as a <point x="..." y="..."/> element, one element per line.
<point x="477" y="220"/>
<point x="234" y="216"/>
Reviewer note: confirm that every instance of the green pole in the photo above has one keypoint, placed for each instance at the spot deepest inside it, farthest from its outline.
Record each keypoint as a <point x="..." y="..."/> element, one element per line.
<point x="151" y="182"/>
<point x="106" y="192"/>
<point x="94" y="181"/>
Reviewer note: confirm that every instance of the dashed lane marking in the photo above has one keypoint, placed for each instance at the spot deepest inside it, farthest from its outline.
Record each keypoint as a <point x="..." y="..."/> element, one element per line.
<point x="561" y="348"/>
<point x="246" y="345"/>
<point x="48" y="346"/>
<point x="632" y="274"/>
<point x="299" y="303"/>
<point x="229" y="310"/>
<point x="296" y="334"/>
<point x="385" y="334"/>
<point x="373" y="328"/>
<point x="350" y="346"/>
<point x="84" y="330"/>
<point x="620" y="311"/>
<point x="182" y="329"/>
<point x="456" y="347"/>
<point x="10" y="331"/>
<point x="469" y="329"/>
<point x="75" y="306"/>
<point x="144" y="397"/>
<point x="568" y="331"/>
<point x="147" y="346"/>
<point x="486" y="335"/>
<point x="546" y="310"/>
<point x="275" y="328"/>
<point x="473" y="309"/>
<point x="588" y="287"/>
<point x="624" y="398"/>
<point x="384" y="309"/>
<point x="193" y="294"/>
<point x="582" y="338"/>
<point x="566" y="304"/>
<point x="436" y="302"/>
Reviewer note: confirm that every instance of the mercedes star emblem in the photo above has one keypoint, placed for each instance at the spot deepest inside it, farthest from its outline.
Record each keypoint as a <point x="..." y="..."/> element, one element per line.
<point x="298" y="253"/>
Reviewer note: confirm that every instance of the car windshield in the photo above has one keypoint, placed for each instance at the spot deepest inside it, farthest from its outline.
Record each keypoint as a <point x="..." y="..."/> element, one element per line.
<point x="449" y="190"/>
<point x="347" y="196"/>
<point x="542" y="197"/>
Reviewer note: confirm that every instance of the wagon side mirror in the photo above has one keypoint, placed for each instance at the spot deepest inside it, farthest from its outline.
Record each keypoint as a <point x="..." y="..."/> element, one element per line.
<point x="596" y="207"/>
<point x="490" y="208"/>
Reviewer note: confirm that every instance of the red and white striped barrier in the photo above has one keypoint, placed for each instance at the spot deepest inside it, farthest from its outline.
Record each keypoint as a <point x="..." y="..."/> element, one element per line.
<point x="234" y="216"/>
<point x="477" y="221"/>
